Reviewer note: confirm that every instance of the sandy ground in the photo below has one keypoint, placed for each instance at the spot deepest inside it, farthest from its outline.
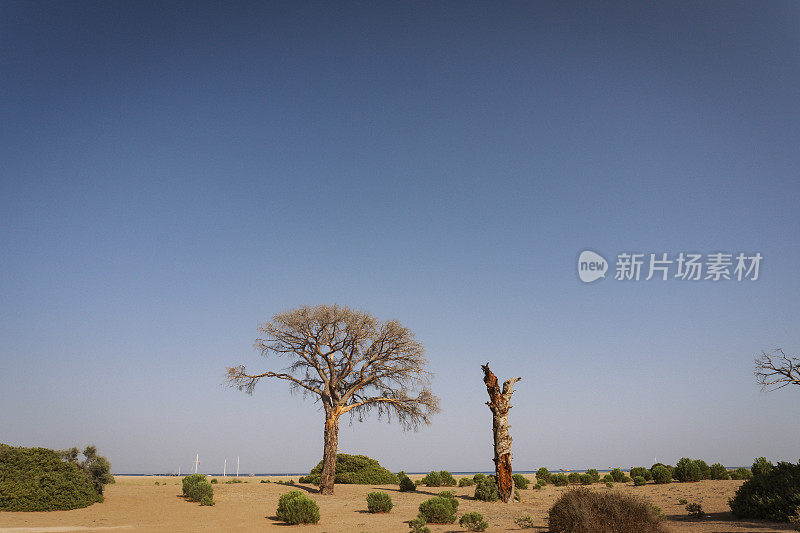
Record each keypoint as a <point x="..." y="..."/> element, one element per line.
<point x="136" y="503"/>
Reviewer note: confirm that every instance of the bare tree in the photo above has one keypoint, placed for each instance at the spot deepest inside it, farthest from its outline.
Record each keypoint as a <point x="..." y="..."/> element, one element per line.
<point x="499" y="403"/>
<point x="352" y="364"/>
<point x="776" y="370"/>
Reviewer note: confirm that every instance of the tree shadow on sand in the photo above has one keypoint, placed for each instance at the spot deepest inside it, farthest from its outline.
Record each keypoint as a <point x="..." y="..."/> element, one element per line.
<point x="278" y="521"/>
<point x="535" y="529"/>
<point x="726" y="519"/>
<point x="310" y="490"/>
<point x="424" y="492"/>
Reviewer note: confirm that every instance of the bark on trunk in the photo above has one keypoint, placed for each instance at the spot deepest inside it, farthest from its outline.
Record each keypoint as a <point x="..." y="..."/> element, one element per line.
<point x="329" y="454"/>
<point x="499" y="403"/>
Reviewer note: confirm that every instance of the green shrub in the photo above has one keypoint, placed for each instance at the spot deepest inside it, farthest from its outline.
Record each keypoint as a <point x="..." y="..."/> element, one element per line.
<point x="450" y="496"/>
<point x="705" y="470"/>
<point x="773" y="492"/>
<point x="641" y="471"/>
<point x="670" y="469"/>
<point x="406" y="485"/>
<point x="354" y="470"/>
<point x="661" y="474"/>
<point x="741" y="473"/>
<point x="197" y="491"/>
<point x="214" y="481"/>
<point x="486" y="490"/>
<point x="432" y="479"/>
<point x="581" y="510"/>
<point x="473" y="522"/>
<point x="687" y="470"/>
<point x="795" y="519"/>
<point x="609" y="484"/>
<point x="608" y="477"/>
<point x="761" y="467"/>
<point x="477" y="477"/>
<point x="201" y="490"/>
<point x="574" y="477"/>
<point x="520" y="481"/>
<point x="447" y="479"/>
<point x="39" y="479"/>
<point x="207" y="500"/>
<point x="191" y="480"/>
<point x="437" y="510"/>
<point x="417" y="525"/>
<point x="538" y="485"/>
<point x="296" y="508"/>
<point x="465" y="482"/>
<point x="587" y="479"/>
<point x="517" y="496"/>
<point x="379" y="502"/>
<point x="559" y="480"/>
<point x="719" y="472"/>
<point x="695" y="510"/>
<point x="618" y="475"/>
<point x="93" y="465"/>
<point x="524" y="522"/>
<point x="638" y="481"/>
<point x="594" y="473"/>
<point x="543" y="473"/>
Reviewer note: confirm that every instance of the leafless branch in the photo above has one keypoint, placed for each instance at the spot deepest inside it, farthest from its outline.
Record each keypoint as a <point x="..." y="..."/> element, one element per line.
<point x="776" y="370"/>
<point x="239" y="378"/>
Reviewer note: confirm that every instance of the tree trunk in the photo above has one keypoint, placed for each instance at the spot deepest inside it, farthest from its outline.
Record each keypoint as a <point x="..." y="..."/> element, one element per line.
<point x="499" y="403"/>
<point x="329" y="454"/>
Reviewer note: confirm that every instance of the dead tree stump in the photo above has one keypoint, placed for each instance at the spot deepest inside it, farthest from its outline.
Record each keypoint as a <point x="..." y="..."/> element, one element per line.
<point x="499" y="403"/>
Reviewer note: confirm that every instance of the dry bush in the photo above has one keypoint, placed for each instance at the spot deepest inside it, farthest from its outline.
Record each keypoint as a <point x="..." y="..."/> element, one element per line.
<point x="581" y="510"/>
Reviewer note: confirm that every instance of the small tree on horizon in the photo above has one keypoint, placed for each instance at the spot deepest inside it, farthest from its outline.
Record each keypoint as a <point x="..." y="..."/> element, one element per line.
<point x="93" y="465"/>
<point x="352" y="364"/>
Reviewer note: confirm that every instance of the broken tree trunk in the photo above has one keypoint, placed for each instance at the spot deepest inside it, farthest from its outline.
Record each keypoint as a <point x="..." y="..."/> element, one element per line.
<point x="500" y="402"/>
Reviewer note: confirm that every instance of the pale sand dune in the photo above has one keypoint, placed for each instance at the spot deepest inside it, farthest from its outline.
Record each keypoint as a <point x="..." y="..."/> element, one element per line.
<point x="136" y="503"/>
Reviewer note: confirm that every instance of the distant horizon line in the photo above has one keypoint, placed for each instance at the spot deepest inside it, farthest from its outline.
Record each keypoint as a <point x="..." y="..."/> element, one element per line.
<point x="460" y="473"/>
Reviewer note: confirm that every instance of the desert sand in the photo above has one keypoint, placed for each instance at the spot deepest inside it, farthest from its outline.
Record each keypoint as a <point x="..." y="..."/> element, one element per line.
<point x="136" y="503"/>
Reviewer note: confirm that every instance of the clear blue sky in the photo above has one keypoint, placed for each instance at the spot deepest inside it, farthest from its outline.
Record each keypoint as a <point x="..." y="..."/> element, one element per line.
<point x="172" y="175"/>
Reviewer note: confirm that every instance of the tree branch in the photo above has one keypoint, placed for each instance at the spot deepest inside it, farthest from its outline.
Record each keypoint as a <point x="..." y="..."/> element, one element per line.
<point x="237" y="377"/>
<point x="776" y="370"/>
